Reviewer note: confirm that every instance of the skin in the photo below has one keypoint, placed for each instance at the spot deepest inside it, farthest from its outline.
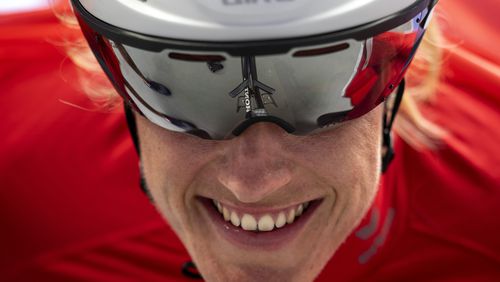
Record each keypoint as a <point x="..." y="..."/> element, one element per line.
<point x="264" y="166"/>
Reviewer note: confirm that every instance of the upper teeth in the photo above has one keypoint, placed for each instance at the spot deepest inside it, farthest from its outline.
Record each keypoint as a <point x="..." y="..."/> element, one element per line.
<point x="266" y="222"/>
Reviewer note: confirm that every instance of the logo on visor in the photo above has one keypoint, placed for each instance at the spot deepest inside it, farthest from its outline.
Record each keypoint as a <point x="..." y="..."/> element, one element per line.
<point x="255" y="93"/>
<point x="246" y="2"/>
<point x="245" y="101"/>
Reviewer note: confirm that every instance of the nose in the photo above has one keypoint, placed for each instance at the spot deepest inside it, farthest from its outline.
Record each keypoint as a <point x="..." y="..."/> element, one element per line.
<point x="255" y="163"/>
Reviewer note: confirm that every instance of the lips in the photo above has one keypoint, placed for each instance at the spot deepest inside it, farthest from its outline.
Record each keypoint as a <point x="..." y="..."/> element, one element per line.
<point x="265" y="229"/>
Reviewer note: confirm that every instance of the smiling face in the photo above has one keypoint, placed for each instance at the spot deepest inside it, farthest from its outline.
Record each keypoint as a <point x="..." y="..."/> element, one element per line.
<point x="265" y="205"/>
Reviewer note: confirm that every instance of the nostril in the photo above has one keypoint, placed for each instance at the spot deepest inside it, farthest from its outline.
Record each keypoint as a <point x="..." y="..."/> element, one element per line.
<point x="253" y="183"/>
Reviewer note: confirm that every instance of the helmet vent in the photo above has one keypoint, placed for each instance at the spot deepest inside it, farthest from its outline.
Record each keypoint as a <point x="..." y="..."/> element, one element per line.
<point x="322" y="51"/>
<point x="196" y="57"/>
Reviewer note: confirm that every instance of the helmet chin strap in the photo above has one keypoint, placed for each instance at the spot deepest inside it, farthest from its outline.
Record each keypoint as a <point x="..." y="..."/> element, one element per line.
<point x="390" y="112"/>
<point x="132" y="128"/>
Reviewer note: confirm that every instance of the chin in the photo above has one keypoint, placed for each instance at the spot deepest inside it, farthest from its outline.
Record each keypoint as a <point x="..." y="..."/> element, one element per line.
<point x="219" y="257"/>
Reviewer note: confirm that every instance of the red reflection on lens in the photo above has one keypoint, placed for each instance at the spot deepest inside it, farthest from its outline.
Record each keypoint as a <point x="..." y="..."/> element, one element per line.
<point x="390" y="54"/>
<point x="321" y="51"/>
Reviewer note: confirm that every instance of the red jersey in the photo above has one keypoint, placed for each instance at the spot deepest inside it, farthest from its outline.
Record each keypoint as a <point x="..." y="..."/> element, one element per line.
<point x="71" y="208"/>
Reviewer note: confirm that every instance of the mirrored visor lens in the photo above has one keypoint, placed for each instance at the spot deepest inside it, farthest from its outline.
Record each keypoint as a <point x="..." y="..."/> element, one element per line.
<point x="216" y="95"/>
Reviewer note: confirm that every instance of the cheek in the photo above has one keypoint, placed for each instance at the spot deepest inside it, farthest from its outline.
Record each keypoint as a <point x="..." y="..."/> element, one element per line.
<point x="170" y="163"/>
<point x="360" y="171"/>
<point x="348" y="161"/>
<point x="359" y="166"/>
<point x="348" y="157"/>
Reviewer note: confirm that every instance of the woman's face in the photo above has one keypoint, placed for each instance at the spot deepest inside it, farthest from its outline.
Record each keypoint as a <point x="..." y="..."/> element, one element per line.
<point x="261" y="180"/>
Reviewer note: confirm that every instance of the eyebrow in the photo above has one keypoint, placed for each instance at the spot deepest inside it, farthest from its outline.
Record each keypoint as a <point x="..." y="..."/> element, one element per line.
<point x="321" y="51"/>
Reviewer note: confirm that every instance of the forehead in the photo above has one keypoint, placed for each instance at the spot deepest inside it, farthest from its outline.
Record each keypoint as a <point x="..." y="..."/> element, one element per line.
<point x="236" y="20"/>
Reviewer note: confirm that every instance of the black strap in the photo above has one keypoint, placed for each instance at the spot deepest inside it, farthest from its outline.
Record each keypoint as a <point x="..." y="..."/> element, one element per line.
<point x="189" y="270"/>
<point x="388" y="155"/>
<point x="132" y="128"/>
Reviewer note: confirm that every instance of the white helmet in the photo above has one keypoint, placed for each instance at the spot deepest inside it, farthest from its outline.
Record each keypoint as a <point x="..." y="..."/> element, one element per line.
<point x="237" y="20"/>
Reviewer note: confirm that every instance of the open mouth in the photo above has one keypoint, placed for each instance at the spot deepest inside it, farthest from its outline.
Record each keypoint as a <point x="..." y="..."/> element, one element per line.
<point x="269" y="228"/>
<point x="262" y="222"/>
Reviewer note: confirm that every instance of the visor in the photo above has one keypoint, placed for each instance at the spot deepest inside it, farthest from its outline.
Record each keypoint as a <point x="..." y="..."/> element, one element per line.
<point x="217" y="90"/>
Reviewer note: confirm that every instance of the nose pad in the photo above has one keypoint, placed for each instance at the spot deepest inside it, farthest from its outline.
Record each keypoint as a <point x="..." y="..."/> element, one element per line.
<point x="255" y="164"/>
<point x="249" y="122"/>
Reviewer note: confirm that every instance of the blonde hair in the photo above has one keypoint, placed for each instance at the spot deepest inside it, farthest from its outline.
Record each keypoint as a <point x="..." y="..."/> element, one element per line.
<point x="91" y="79"/>
<point x="423" y="78"/>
